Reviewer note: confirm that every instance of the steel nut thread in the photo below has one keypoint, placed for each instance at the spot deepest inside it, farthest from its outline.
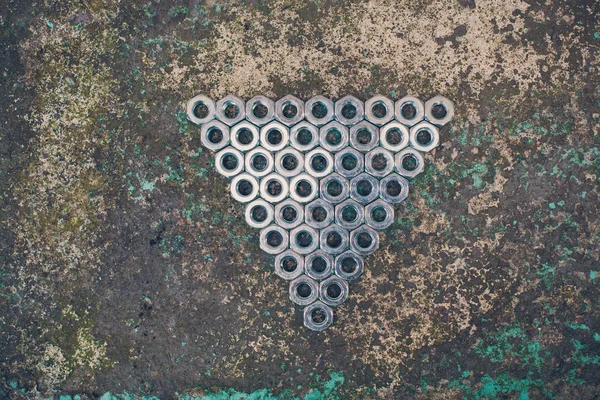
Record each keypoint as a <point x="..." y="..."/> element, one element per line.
<point x="334" y="239"/>
<point x="409" y="162"/>
<point x="319" y="110"/>
<point x="318" y="163"/>
<point x="304" y="239"/>
<point x="260" y="110"/>
<point x="229" y="162"/>
<point x="318" y="316"/>
<point x="244" y="187"/>
<point x="289" y="214"/>
<point x="289" y="110"/>
<point x="379" y="110"/>
<point x="244" y="136"/>
<point x="409" y="110"/>
<point x="333" y="291"/>
<point x="364" y="188"/>
<point x="289" y="162"/>
<point x="364" y="136"/>
<point x="349" y="162"/>
<point x="259" y="162"/>
<point x="274" y="188"/>
<point x="304" y="136"/>
<point x="214" y="135"/>
<point x="394" y="136"/>
<point x="318" y="265"/>
<point x="349" y="266"/>
<point x="349" y="214"/>
<point x="424" y="137"/>
<point x="274" y="239"/>
<point x="274" y="136"/>
<point x="289" y="265"/>
<point x="304" y="291"/>
<point x="259" y="214"/>
<point x="364" y="240"/>
<point x="333" y="137"/>
<point x="334" y="188"/>
<point x="318" y="214"/>
<point x="349" y="110"/>
<point x="393" y="188"/>
<point x="439" y="110"/>
<point x="200" y="109"/>
<point x="379" y="162"/>
<point x="230" y="110"/>
<point x="379" y="214"/>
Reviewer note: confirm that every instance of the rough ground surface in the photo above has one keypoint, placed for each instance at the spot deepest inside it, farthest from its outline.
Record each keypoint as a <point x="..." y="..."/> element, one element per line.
<point x="125" y="267"/>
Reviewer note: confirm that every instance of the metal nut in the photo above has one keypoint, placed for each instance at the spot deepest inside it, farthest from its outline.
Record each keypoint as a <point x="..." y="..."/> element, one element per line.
<point x="289" y="265"/>
<point x="393" y="188"/>
<point x="289" y="214"/>
<point x="304" y="290"/>
<point x="409" y="162"/>
<point x="244" y="136"/>
<point x="303" y="188"/>
<point x="379" y="110"/>
<point x="333" y="137"/>
<point x="318" y="317"/>
<point x="289" y="162"/>
<point x="409" y="110"/>
<point x="334" y="188"/>
<point x="364" y="188"/>
<point x="439" y="110"/>
<point x="318" y="265"/>
<point x="349" y="214"/>
<point x="304" y="136"/>
<point x="394" y="136"/>
<point x="349" y="110"/>
<point x="318" y="162"/>
<point x="424" y="137"/>
<point x="274" y="188"/>
<point x="289" y="110"/>
<point x="229" y="162"/>
<point x="274" y="136"/>
<point x="349" y="162"/>
<point x="193" y="111"/>
<point x="230" y="110"/>
<point x="244" y="187"/>
<point x="318" y="213"/>
<point x="364" y="136"/>
<point x="259" y="214"/>
<point x="214" y="135"/>
<point x="304" y="239"/>
<point x="319" y="110"/>
<point x="259" y="162"/>
<point x="334" y="239"/>
<point x="379" y="162"/>
<point x="379" y="214"/>
<point x="364" y="240"/>
<point x="333" y="291"/>
<point x="349" y="265"/>
<point x="274" y="239"/>
<point x="260" y="110"/>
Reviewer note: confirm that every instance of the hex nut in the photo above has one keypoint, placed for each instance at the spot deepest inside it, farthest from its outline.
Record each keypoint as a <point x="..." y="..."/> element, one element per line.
<point x="304" y="136"/>
<point x="318" y="265"/>
<point x="334" y="188"/>
<point x="274" y="136"/>
<point x="289" y="110"/>
<point x="193" y="104"/>
<point x="364" y="136"/>
<point x="349" y="265"/>
<point x="259" y="214"/>
<point x="318" y="213"/>
<point x="319" y="110"/>
<point x="424" y="137"/>
<point x="274" y="239"/>
<point x="333" y="291"/>
<point x="259" y="162"/>
<point x="229" y="162"/>
<point x="274" y="188"/>
<point x="379" y="162"/>
<point x="334" y="239"/>
<point x="364" y="240"/>
<point x="230" y="110"/>
<point x="289" y="214"/>
<point x="289" y="162"/>
<point x="349" y="110"/>
<point x="393" y="188"/>
<point x="244" y="187"/>
<point x="379" y="110"/>
<point x="244" y="136"/>
<point x="364" y="188"/>
<point x="318" y="316"/>
<point x="409" y="110"/>
<point x="318" y="163"/>
<point x="304" y="290"/>
<point x="394" y="136"/>
<point x="303" y="188"/>
<point x="349" y="214"/>
<point x="439" y="110"/>
<point x="214" y="135"/>
<point x="349" y="162"/>
<point x="304" y="239"/>
<point x="289" y="265"/>
<point x="260" y="110"/>
<point x="379" y="214"/>
<point x="333" y="137"/>
<point x="409" y="162"/>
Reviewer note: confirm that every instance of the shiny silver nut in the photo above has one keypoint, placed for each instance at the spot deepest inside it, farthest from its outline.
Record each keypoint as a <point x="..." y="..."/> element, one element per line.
<point x="393" y="188"/>
<point x="349" y="266"/>
<point x="333" y="291"/>
<point x="334" y="239"/>
<point x="289" y="265"/>
<point x="394" y="136"/>
<point x="364" y="136"/>
<point x="318" y="162"/>
<point x="274" y="188"/>
<point x="304" y="136"/>
<point x="318" y="317"/>
<point x="379" y="214"/>
<point x="379" y="162"/>
<point x="274" y="136"/>
<point x="349" y="214"/>
<point x="244" y="136"/>
<point x="318" y="265"/>
<point x="259" y="214"/>
<point x="289" y="214"/>
<point x="319" y="110"/>
<point x="409" y="162"/>
<point x="364" y="240"/>
<point x="349" y="110"/>
<point x="424" y="137"/>
<point x="200" y="109"/>
<point x="318" y="213"/>
<point x="304" y="291"/>
<point x="304" y="239"/>
<point x="349" y="162"/>
<point x="274" y="239"/>
<point x="229" y="162"/>
<point x="333" y="137"/>
<point x="334" y="188"/>
<point x="439" y="110"/>
<point x="289" y="110"/>
<point x="244" y="187"/>
<point x="409" y="110"/>
<point x="364" y="188"/>
<point x="259" y="162"/>
<point x="260" y="110"/>
<point x="303" y="188"/>
<point x="214" y="135"/>
<point x="379" y="110"/>
<point x="289" y="162"/>
<point x="230" y="110"/>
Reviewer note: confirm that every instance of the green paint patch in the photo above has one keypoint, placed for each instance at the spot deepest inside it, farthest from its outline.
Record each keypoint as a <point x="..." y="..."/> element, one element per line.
<point x="577" y="326"/>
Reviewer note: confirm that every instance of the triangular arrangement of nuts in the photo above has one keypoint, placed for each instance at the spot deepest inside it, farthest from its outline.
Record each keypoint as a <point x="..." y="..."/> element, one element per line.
<point x="319" y="179"/>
